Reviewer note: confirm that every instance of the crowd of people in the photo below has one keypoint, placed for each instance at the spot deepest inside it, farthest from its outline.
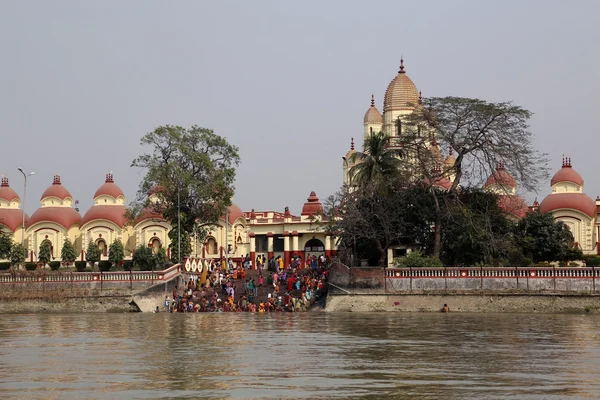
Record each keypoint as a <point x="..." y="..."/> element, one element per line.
<point x="230" y="288"/>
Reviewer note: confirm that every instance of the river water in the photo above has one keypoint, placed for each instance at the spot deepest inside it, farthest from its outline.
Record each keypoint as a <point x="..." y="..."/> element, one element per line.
<point x="304" y="355"/>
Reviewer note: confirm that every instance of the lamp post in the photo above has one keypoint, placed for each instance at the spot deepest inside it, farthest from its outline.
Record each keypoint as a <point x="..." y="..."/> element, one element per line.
<point x="25" y="175"/>
<point x="178" y="225"/>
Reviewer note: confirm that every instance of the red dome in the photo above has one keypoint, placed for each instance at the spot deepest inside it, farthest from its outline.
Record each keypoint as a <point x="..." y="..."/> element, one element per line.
<point x="149" y="213"/>
<point x="574" y="201"/>
<point x="312" y="206"/>
<point x="6" y="192"/>
<point x="567" y="174"/>
<point x="12" y="218"/>
<point x="501" y="177"/>
<point x="441" y="182"/>
<point x="63" y="216"/>
<point x="234" y="213"/>
<point x="113" y="213"/>
<point x="56" y="190"/>
<point x="109" y="188"/>
<point x="514" y="205"/>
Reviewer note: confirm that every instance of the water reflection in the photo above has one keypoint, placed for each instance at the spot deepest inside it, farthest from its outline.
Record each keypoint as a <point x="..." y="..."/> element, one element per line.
<point x="311" y="355"/>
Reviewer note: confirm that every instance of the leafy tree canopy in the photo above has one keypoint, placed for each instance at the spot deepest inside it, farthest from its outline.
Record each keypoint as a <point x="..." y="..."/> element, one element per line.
<point x="116" y="252"/>
<point x="17" y="254"/>
<point x="67" y="253"/>
<point x="5" y="244"/>
<point x="544" y="239"/>
<point x="45" y="254"/>
<point x="92" y="254"/>
<point x="192" y="167"/>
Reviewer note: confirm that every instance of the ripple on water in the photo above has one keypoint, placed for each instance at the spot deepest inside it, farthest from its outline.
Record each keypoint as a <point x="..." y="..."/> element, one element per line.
<point x="315" y="355"/>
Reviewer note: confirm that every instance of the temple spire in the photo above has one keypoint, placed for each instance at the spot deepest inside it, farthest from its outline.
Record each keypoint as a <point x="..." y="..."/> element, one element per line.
<point x="401" y="66"/>
<point x="352" y="144"/>
<point x="372" y="100"/>
<point x="420" y="97"/>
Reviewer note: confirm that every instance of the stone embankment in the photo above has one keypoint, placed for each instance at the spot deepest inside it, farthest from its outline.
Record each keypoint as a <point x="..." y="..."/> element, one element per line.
<point x="50" y="301"/>
<point x="471" y="302"/>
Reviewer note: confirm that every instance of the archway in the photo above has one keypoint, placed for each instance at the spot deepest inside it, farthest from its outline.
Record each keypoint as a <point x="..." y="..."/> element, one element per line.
<point x="211" y="246"/>
<point x="313" y="248"/>
<point x="155" y="245"/>
<point x="101" y="243"/>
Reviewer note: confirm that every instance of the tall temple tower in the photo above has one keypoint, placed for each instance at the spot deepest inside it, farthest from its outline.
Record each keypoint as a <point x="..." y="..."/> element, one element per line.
<point x="401" y="99"/>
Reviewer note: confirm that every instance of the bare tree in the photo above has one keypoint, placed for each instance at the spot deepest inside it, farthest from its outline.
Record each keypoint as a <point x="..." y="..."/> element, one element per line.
<point x="482" y="135"/>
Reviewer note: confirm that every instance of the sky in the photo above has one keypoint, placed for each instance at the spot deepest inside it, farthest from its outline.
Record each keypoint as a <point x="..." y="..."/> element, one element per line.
<point x="288" y="82"/>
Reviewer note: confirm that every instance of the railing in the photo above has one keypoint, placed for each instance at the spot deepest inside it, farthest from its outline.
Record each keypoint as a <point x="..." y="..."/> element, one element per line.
<point x="87" y="277"/>
<point x="479" y="273"/>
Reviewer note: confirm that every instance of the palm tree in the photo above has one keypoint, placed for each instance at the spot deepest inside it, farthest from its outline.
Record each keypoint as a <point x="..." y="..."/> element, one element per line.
<point x="378" y="164"/>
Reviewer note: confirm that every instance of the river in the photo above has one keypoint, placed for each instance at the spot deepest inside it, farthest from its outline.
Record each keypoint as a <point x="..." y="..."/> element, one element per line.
<point x="304" y="355"/>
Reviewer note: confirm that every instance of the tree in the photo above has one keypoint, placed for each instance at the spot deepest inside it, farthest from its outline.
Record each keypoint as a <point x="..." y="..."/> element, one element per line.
<point x="116" y="252"/>
<point x="67" y="253"/>
<point x="143" y="258"/>
<point x="17" y="254"/>
<point x="5" y="244"/>
<point x="475" y="230"/>
<point x="367" y="218"/>
<point x="186" y="246"/>
<point x="482" y="135"/>
<point x="378" y="163"/>
<point x="45" y="254"/>
<point x="161" y="256"/>
<point x="92" y="254"/>
<point x="192" y="171"/>
<point x="541" y="238"/>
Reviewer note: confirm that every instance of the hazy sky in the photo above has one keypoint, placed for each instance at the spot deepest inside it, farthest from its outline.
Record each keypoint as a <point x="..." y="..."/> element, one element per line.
<point x="288" y="82"/>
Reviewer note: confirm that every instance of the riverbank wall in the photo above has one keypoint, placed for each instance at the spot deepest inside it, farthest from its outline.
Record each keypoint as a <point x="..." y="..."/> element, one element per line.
<point x="60" y="301"/>
<point x="470" y="303"/>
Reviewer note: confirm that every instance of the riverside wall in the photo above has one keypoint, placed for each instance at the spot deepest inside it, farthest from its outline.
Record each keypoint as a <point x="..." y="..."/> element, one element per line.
<point x="60" y="301"/>
<point x="474" y="303"/>
<point x="527" y="290"/>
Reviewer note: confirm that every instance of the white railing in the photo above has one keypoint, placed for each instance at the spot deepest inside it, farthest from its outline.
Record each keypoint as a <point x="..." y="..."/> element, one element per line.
<point x="86" y="277"/>
<point x="479" y="273"/>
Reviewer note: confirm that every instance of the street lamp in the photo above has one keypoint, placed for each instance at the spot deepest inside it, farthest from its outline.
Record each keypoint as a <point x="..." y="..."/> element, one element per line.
<point x="23" y="208"/>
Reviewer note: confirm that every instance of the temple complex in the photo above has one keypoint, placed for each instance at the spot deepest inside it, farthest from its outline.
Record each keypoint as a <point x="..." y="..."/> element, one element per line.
<point x="237" y="235"/>
<point x="567" y="201"/>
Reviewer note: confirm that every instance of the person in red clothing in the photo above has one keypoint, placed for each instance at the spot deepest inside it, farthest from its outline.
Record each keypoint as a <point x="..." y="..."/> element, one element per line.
<point x="290" y="284"/>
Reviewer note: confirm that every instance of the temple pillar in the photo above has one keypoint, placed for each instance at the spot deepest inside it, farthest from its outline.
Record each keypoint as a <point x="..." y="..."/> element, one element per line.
<point x="294" y="243"/>
<point x="327" y="246"/>
<point x="286" y="249"/>
<point x="269" y="246"/>
<point x="252" y="236"/>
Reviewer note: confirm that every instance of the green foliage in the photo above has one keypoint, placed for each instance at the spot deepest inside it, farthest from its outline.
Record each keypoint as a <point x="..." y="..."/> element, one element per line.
<point x="365" y="217"/>
<point x="161" y="256"/>
<point x="541" y="238"/>
<point x="116" y="252"/>
<point x="80" y="266"/>
<point x="127" y="265"/>
<point x="30" y="266"/>
<point x="54" y="265"/>
<point x="67" y="253"/>
<point x="415" y="259"/>
<point x="4" y="265"/>
<point x="5" y="244"/>
<point x="104" y="265"/>
<point x="143" y="258"/>
<point x="192" y="172"/>
<point x="378" y="163"/>
<point x="186" y="246"/>
<point x="17" y="255"/>
<point x="593" y="261"/>
<point x="45" y="254"/>
<point x="92" y="254"/>
<point x="475" y="230"/>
